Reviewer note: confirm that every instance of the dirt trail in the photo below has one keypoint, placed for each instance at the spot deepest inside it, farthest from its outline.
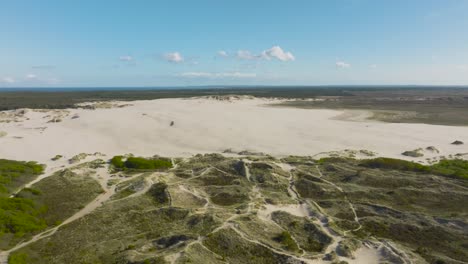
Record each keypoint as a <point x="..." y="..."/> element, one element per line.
<point x="374" y="250"/>
<point x="245" y="237"/>
<point x="351" y="206"/>
<point x="304" y="208"/>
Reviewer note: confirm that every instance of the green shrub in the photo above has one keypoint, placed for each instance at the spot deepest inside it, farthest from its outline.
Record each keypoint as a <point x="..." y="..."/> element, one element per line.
<point x="139" y="163"/>
<point x="31" y="190"/>
<point x="394" y="164"/>
<point x="117" y="162"/>
<point x="14" y="173"/>
<point x="159" y="193"/>
<point x="453" y="168"/>
<point x="332" y="160"/>
<point x="57" y="157"/>
<point x="19" y="216"/>
<point x="287" y="241"/>
<point x="457" y="168"/>
<point x="147" y="164"/>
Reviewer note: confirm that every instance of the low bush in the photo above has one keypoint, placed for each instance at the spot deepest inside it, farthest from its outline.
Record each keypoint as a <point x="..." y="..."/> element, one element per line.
<point x="20" y="216"/>
<point x="139" y="163"/>
<point x="286" y="240"/>
<point x="14" y="173"/>
<point x="394" y="164"/>
<point x="456" y="168"/>
<point x="117" y="162"/>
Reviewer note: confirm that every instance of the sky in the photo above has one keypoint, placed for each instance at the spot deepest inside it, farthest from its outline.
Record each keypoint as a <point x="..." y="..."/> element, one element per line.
<point x="117" y="43"/>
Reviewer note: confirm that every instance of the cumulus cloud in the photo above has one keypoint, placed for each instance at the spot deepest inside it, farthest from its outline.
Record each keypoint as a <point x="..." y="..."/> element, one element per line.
<point x="222" y="53"/>
<point x="278" y="53"/>
<point x="275" y="52"/>
<point x="8" y="80"/>
<point x="126" y="58"/>
<point x="215" y="75"/>
<point x="175" y="57"/>
<point x="342" y="64"/>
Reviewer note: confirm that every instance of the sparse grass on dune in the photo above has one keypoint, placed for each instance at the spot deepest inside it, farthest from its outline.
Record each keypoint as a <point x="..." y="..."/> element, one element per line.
<point x="419" y="208"/>
<point x="44" y="204"/>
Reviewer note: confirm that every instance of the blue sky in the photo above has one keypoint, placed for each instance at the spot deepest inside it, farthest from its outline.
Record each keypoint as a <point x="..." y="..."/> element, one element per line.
<point x="177" y="43"/>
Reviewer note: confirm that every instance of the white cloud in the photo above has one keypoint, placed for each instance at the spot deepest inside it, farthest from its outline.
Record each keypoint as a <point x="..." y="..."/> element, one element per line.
<point x="196" y="74"/>
<point x="275" y="52"/>
<point x="278" y="53"/>
<point x="30" y="79"/>
<point x="126" y="58"/>
<point x="246" y="55"/>
<point x="214" y="75"/>
<point x="222" y="53"/>
<point x="342" y="64"/>
<point x="373" y="66"/>
<point x="8" y="80"/>
<point x="31" y="76"/>
<point x="175" y="57"/>
<point x="463" y="67"/>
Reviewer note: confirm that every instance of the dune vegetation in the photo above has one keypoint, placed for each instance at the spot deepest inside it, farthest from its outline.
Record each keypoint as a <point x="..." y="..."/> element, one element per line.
<point x="139" y="163"/>
<point x="18" y="216"/>
<point x="446" y="167"/>
<point x="251" y="209"/>
<point x="47" y="203"/>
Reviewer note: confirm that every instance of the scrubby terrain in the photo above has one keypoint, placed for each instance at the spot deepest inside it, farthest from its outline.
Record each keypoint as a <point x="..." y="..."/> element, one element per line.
<point x="242" y="209"/>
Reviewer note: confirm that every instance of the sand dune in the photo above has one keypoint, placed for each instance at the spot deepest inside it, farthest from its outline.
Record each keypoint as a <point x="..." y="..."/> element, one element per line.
<point x="203" y="125"/>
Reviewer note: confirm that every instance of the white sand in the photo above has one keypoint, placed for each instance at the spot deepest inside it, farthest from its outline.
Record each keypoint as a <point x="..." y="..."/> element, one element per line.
<point x="207" y="125"/>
